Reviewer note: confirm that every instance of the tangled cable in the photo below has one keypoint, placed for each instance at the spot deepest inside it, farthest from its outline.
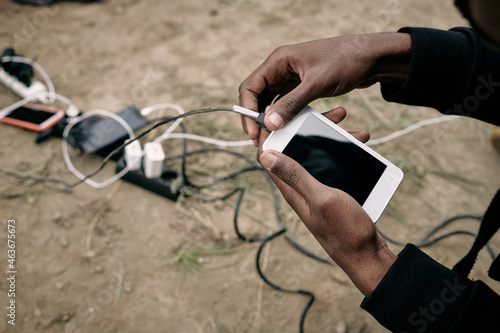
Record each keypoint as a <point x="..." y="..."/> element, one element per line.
<point x="238" y="193"/>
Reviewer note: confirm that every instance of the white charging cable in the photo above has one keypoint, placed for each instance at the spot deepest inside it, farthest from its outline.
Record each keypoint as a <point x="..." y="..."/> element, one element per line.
<point x="133" y="155"/>
<point x="65" y="150"/>
<point x="71" y="111"/>
<point x="410" y="128"/>
<point x="217" y="142"/>
<point x="147" y="110"/>
<point x="154" y="155"/>
<point x="29" y="95"/>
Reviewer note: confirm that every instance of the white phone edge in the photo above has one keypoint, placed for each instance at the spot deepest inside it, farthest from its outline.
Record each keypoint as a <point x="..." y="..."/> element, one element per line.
<point x="388" y="182"/>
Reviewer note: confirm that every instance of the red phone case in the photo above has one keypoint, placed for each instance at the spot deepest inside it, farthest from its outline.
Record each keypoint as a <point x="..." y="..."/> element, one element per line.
<point x="58" y="115"/>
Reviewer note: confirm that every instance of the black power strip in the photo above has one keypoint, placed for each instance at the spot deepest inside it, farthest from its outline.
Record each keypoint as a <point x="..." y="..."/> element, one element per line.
<point x="168" y="185"/>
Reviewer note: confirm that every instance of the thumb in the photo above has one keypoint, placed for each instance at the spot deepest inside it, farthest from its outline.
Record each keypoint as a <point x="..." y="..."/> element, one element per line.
<point x="288" y="106"/>
<point x="291" y="175"/>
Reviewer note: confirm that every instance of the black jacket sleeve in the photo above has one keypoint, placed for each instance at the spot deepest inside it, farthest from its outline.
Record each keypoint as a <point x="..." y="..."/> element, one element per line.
<point x="420" y="295"/>
<point x="451" y="71"/>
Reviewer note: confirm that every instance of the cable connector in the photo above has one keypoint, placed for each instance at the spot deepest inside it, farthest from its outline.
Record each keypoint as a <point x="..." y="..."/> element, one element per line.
<point x="245" y="112"/>
<point x="153" y="160"/>
<point x="72" y="111"/>
<point x="133" y="155"/>
<point x="258" y="116"/>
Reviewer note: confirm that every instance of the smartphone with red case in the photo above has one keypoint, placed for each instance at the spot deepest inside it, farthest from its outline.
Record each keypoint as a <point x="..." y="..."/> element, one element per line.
<point x="34" y="117"/>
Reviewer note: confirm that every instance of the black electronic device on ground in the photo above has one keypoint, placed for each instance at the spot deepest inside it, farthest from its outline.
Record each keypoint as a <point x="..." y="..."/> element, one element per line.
<point x="98" y="135"/>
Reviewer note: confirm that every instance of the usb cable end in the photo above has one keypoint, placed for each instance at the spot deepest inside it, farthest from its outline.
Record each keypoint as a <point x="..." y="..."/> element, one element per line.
<point x="258" y="116"/>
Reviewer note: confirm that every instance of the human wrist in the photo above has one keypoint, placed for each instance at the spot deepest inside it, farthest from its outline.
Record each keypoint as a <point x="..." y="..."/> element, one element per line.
<point x="367" y="272"/>
<point x="392" y="55"/>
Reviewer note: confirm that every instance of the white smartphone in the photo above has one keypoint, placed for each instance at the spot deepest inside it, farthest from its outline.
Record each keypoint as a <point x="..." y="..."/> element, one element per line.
<point x="337" y="159"/>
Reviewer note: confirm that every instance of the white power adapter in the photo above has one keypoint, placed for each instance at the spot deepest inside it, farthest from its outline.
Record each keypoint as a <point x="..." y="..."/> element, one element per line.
<point x="20" y="88"/>
<point x="153" y="159"/>
<point x="133" y="155"/>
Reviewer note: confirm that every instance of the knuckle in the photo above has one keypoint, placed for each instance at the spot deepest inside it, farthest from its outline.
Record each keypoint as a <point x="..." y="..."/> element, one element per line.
<point x="290" y="104"/>
<point x="325" y="201"/>
<point x="291" y="177"/>
<point x="281" y="50"/>
<point x="331" y="205"/>
<point x="241" y="88"/>
<point x="242" y="91"/>
<point x="282" y="55"/>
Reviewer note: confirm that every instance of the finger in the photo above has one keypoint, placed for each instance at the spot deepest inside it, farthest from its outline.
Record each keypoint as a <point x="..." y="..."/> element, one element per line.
<point x="244" y="124"/>
<point x="251" y="128"/>
<point x="336" y="115"/>
<point x="288" y="106"/>
<point x="262" y="86"/>
<point x="290" y="173"/>
<point x="295" y="200"/>
<point x="262" y="139"/>
<point x="362" y="136"/>
<point x="249" y="91"/>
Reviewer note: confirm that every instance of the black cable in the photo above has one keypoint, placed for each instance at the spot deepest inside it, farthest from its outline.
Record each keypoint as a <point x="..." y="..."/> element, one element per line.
<point x="183" y="162"/>
<point x="276" y="198"/>
<point x="158" y="124"/>
<point x="275" y="193"/>
<point x="35" y="178"/>
<point x="162" y="121"/>
<point x="449" y="220"/>
<point x="309" y="253"/>
<point x="221" y="179"/>
<point x="240" y="192"/>
<point x="425" y="241"/>
<point x="277" y="287"/>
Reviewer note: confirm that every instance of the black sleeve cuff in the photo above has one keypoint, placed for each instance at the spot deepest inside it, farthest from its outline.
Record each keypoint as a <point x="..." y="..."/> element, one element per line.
<point x="451" y="71"/>
<point x="439" y="69"/>
<point x="417" y="294"/>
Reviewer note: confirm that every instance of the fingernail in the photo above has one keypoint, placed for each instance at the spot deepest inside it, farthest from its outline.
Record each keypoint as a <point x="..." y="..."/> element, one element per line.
<point x="276" y="120"/>
<point x="269" y="160"/>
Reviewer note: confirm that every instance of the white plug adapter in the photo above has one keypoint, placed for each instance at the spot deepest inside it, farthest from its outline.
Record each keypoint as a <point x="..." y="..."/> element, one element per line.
<point x="20" y="88"/>
<point x="153" y="159"/>
<point x="133" y="155"/>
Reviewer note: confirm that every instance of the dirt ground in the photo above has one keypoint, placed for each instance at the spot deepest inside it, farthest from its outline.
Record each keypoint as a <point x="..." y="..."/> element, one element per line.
<point x="122" y="259"/>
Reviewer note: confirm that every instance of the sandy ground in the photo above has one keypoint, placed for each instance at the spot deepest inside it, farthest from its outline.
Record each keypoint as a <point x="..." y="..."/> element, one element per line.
<point x="110" y="260"/>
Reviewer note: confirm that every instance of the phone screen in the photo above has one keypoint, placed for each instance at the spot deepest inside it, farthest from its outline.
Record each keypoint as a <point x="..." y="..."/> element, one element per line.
<point x="333" y="160"/>
<point x="30" y="115"/>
